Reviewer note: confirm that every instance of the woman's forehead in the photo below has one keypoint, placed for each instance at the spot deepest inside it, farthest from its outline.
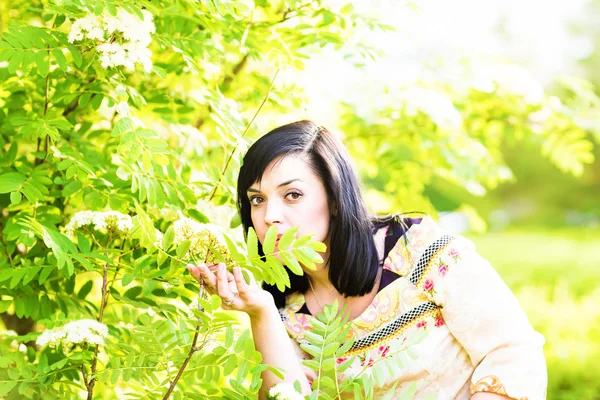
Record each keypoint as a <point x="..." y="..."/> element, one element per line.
<point x="285" y="169"/>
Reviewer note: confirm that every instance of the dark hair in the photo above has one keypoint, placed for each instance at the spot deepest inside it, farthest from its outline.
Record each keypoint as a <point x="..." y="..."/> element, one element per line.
<point x="353" y="263"/>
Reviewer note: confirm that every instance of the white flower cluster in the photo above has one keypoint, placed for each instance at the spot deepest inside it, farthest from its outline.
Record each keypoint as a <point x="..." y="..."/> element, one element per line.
<point x="203" y="239"/>
<point x="124" y="38"/>
<point x="75" y="332"/>
<point x="284" y="391"/>
<point x="101" y="220"/>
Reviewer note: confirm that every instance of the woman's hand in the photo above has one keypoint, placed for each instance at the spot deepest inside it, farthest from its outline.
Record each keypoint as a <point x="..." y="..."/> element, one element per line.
<point x="232" y="288"/>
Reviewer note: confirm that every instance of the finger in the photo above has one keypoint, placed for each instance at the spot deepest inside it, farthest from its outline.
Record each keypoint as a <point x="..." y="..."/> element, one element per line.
<point x="222" y="285"/>
<point x="214" y="268"/>
<point x="194" y="272"/>
<point x="207" y="276"/>
<point x="240" y="282"/>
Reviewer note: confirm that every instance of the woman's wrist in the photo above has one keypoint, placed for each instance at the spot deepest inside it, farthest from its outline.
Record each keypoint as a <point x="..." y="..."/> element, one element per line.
<point x="263" y="311"/>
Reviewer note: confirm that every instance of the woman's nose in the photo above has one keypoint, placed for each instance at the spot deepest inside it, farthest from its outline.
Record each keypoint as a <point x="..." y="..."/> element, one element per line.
<point x="274" y="213"/>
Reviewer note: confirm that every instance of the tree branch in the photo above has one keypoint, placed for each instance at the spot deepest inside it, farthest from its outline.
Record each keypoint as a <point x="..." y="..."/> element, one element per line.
<point x="193" y="349"/>
<point x="225" y="85"/>
<point x="243" y="134"/>
<point x="104" y="300"/>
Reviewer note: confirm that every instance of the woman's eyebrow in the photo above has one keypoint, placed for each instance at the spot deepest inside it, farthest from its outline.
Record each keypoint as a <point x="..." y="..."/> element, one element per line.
<point x="252" y="190"/>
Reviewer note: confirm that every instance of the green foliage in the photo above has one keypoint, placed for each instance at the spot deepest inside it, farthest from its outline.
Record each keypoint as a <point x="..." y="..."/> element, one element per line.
<point x="102" y="156"/>
<point x="450" y="145"/>
<point x="330" y="339"/>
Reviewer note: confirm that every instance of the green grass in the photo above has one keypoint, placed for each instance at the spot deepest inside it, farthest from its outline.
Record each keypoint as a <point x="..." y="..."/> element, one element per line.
<point x="555" y="276"/>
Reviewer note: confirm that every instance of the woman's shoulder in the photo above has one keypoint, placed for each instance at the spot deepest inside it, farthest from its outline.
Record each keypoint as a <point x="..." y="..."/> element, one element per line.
<point x="424" y="240"/>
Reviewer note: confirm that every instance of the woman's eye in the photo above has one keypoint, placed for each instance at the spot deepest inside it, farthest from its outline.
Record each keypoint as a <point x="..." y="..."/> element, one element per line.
<point x="255" y="200"/>
<point x="294" y="195"/>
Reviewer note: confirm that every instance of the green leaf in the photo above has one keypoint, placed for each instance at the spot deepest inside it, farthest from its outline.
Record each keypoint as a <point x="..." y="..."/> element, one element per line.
<point x="15" y="197"/>
<point x="313" y="338"/>
<point x="18" y="274"/>
<point x="252" y="244"/>
<point x="85" y="290"/>
<point x="161" y="257"/>
<point x="76" y="54"/>
<point x="84" y="99"/>
<point x="61" y="59"/>
<point x="330" y="349"/>
<point x="11" y="181"/>
<point x="7" y="386"/>
<point x="291" y="262"/>
<point x="4" y="304"/>
<point x="288" y="237"/>
<point x="97" y="101"/>
<point x="46" y="271"/>
<point x="11" y="154"/>
<point x="127" y="279"/>
<point x="270" y="238"/>
<point x="13" y="41"/>
<point x="32" y="193"/>
<point x="311" y="349"/>
<point x="198" y="216"/>
<point x="167" y="239"/>
<point x="15" y="61"/>
<point x="33" y="271"/>
<point x="229" y="337"/>
<point x="122" y="126"/>
<point x="84" y="261"/>
<point x="147" y="161"/>
<point x="83" y="244"/>
<point x="344" y="348"/>
<point x="306" y="261"/>
<point x="183" y="248"/>
<point x="312" y="364"/>
<point x="71" y="188"/>
<point x="236" y="221"/>
<point x="277" y="371"/>
<point x="43" y="65"/>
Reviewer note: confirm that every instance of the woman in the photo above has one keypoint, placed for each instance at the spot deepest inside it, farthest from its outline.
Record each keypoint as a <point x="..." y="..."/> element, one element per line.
<point x="395" y="275"/>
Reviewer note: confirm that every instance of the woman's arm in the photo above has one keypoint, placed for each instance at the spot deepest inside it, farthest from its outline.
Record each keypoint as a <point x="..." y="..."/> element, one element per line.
<point x="272" y="341"/>
<point x="270" y="337"/>
<point x="486" y="319"/>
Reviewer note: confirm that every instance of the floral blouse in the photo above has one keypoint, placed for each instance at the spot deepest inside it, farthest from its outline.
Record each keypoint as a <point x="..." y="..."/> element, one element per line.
<point x="476" y="336"/>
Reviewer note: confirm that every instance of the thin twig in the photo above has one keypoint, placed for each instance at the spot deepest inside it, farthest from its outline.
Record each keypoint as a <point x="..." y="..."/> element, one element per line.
<point x="92" y="382"/>
<point x="193" y="349"/>
<point x="46" y="102"/>
<point x="85" y="381"/>
<point x="243" y="134"/>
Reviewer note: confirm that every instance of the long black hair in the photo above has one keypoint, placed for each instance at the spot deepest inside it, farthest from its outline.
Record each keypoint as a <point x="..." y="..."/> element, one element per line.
<point x="353" y="262"/>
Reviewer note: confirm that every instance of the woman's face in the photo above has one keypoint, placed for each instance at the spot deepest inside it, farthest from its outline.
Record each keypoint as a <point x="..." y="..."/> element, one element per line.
<point x="289" y="195"/>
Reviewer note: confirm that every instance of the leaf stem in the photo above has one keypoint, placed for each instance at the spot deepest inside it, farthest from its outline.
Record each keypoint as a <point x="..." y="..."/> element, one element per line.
<point x="193" y="349"/>
<point x="243" y="134"/>
<point x="104" y="300"/>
